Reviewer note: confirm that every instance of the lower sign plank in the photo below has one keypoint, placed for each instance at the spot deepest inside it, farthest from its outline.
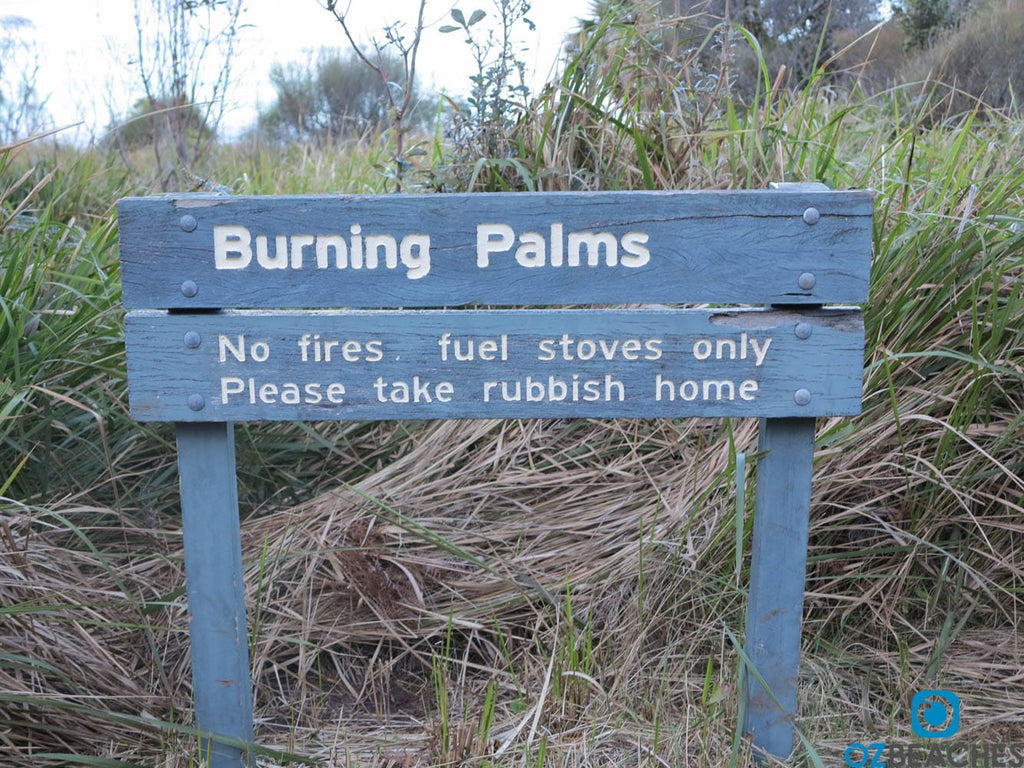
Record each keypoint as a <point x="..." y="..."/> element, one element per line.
<point x="355" y="365"/>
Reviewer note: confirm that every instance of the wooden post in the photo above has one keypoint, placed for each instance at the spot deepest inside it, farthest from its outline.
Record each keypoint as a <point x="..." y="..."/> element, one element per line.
<point x="777" y="573"/>
<point x="221" y="684"/>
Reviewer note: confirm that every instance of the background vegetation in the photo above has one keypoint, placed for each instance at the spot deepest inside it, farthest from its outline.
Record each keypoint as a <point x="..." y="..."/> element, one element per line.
<point x="546" y="592"/>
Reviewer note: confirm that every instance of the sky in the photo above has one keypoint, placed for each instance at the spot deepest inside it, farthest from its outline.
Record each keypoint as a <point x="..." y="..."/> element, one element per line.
<point x="86" y="47"/>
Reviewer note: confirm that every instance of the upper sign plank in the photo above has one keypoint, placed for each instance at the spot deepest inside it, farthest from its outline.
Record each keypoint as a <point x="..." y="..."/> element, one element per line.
<point x="550" y="248"/>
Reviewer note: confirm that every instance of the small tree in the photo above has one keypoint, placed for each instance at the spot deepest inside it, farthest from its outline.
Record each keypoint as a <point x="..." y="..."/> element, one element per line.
<point x="22" y="112"/>
<point x="400" y="85"/>
<point x="498" y="96"/>
<point x="176" y="42"/>
<point x="794" y="36"/>
<point x="335" y="97"/>
<point x="141" y="126"/>
<point x="924" y="20"/>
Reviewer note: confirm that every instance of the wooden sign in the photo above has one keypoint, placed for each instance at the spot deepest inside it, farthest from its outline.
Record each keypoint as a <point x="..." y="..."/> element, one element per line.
<point x="205" y="252"/>
<point x="236" y="316"/>
<point x="261" y="365"/>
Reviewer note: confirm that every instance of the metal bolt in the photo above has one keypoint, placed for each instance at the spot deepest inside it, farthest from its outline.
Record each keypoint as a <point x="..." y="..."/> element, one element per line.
<point x="196" y="402"/>
<point x="807" y="281"/>
<point x="812" y="216"/>
<point x="802" y="397"/>
<point x="803" y="330"/>
<point x="188" y="222"/>
<point x="193" y="340"/>
<point x="189" y="289"/>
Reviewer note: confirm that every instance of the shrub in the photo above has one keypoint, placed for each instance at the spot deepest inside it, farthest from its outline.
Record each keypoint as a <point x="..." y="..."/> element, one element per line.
<point x="874" y="60"/>
<point x="977" y="65"/>
<point x="332" y="97"/>
<point x="148" y="123"/>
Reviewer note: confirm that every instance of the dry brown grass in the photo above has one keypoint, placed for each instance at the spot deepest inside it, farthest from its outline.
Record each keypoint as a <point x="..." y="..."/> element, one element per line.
<point x="581" y="569"/>
<point x="536" y="534"/>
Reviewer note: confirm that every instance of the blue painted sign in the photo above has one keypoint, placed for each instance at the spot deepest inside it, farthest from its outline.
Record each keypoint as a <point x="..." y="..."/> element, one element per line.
<point x="355" y="365"/>
<point x="236" y="317"/>
<point x="205" y="252"/>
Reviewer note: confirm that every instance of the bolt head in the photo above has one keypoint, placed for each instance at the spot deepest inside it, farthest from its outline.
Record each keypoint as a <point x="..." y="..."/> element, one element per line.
<point x="189" y="289"/>
<point x="803" y="330"/>
<point x="802" y="397"/>
<point x="812" y="216"/>
<point x="188" y="222"/>
<point x="196" y="402"/>
<point x="193" y="340"/>
<point x="807" y="281"/>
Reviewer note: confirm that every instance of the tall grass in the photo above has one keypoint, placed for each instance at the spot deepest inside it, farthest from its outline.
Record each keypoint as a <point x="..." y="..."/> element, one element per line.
<point x="60" y="342"/>
<point x="528" y="593"/>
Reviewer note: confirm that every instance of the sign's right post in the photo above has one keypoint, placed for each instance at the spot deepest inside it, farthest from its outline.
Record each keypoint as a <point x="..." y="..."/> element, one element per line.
<point x="777" y="572"/>
<point x="778" y="569"/>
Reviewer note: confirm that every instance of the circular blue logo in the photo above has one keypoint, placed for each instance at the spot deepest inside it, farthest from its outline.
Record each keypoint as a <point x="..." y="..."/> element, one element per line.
<point x="935" y="714"/>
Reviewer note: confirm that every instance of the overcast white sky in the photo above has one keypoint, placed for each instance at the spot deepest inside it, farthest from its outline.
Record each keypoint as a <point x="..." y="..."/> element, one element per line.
<point x="86" y="46"/>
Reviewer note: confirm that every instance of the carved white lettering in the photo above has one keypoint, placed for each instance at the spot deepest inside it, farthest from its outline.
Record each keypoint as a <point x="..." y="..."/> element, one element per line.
<point x="314" y="349"/>
<point x="464" y="350"/>
<point x="416" y="391"/>
<point x="234" y="389"/>
<point x="572" y="249"/>
<point x="324" y="245"/>
<point x="277" y="260"/>
<point x="233" y="248"/>
<point x="707" y="389"/>
<point x="378" y="244"/>
<point x="725" y="348"/>
<point x="492" y="238"/>
<point x="553" y="389"/>
<point x="418" y="261"/>
<point x="257" y="350"/>
<point x="570" y="348"/>
<point x="298" y="243"/>
<point x="636" y="252"/>
<point x="593" y="242"/>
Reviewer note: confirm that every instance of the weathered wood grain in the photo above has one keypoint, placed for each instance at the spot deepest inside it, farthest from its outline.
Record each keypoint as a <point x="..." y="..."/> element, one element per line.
<point x="801" y="246"/>
<point x="248" y="365"/>
<point x="777" y="573"/>
<point x="216" y="590"/>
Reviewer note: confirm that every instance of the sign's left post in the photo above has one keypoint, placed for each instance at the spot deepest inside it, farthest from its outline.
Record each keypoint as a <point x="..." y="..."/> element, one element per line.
<point x="222" y="689"/>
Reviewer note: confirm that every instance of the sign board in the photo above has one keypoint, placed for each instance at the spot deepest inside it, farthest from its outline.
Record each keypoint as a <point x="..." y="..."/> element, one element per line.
<point x="246" y="365"/>
<point x="502" y="249"/>
<point x="308" y="308"/>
